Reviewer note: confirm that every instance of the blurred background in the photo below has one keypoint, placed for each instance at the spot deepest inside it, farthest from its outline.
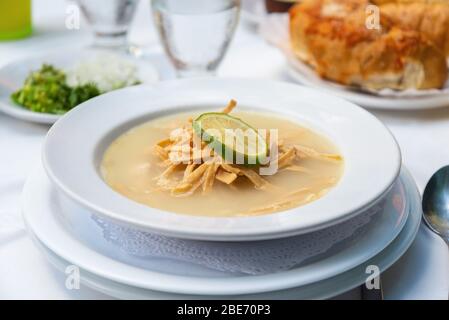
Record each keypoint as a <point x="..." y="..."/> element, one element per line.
<point x="37" y="26"/>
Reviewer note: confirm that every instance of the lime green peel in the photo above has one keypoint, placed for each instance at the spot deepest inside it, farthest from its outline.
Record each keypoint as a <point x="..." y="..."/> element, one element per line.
<point x="232" y="138"/>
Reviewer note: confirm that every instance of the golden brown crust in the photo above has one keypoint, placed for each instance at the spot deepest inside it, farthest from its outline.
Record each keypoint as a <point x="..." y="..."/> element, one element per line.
<point x="381" y="2"/>
<point x="331" y="36"/>
<point x="430" y="19"/>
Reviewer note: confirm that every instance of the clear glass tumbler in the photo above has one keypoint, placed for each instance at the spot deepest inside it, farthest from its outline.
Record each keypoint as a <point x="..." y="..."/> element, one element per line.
<point x="196" y="33"/>
<point x="110" y="21"/>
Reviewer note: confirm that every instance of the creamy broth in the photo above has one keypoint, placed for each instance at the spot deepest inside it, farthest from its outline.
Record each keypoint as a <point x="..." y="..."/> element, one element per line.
<point x="130" y="167"/>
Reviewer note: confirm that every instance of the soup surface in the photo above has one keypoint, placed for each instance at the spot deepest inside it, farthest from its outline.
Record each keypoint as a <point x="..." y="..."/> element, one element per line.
<point x="131" y="167"/>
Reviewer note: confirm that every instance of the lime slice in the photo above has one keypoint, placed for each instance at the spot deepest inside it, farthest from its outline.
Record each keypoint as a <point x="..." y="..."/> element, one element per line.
<point x="232" y="138"/>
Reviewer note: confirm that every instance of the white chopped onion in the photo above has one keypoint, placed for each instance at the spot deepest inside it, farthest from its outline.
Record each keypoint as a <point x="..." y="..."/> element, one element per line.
<point x="107" y="71"/>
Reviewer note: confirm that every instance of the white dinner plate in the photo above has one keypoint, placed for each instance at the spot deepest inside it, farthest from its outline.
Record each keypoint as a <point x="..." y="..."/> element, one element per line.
<point x="43" y="218"/>
<point x="305" y="75"/>
<point x="13" y="75"/>
<point x="372" y="156"/>
<point x="324" y="289"/>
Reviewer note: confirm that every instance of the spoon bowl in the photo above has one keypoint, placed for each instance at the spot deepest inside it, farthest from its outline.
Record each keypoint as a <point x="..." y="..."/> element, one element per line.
<point x="435" y="202"/>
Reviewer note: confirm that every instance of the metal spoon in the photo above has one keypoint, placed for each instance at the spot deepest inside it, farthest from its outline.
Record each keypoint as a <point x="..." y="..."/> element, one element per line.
<point x="435" y="203"/>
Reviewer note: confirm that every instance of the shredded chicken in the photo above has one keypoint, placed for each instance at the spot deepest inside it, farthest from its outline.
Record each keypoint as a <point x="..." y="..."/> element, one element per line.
<point x="182" y="152"/>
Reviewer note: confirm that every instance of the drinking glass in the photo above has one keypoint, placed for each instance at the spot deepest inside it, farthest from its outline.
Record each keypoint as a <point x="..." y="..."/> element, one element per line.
<point x="196" y="33"/>
<point x="110" y="21"/>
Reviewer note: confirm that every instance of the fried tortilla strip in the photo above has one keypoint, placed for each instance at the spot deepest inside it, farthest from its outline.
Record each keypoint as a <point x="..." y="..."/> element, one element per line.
<point x="166" y="184"/>
<point x="165" y="163"/>
<point x="298" y="192"/>
<point x="185" y="189"/>
<point x="286" y="158"/>
<point x="231" y="105"/>
<point x="306" y="194"/>
<point x="225" y="176"/>
<point x="252" y="176"/>
<point x="257" y="180"/>
<point x="297" y="168"/>
<point x="189" y="170"/>
<point x="197" y="173"/>
<point x="210" y="177"/>
<point x="304" y="152"/>
<point x="231" y="169"/>
<point x="284" y="204"/>
<point x="164" y="143"/>
<point x="162" y="178"/>
<point x="271" y="208"/>
<point x="191" y="181"/>
<point x="160" y="152"/>
<point x="196" y="157"/>
<point x="169" y="170"/>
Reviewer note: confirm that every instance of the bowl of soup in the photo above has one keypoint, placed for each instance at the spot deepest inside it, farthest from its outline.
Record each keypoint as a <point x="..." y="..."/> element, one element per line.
<point x="221" y="159"/>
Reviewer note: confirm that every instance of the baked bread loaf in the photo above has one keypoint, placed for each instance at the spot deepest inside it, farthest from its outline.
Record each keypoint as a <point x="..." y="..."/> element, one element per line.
<point x="332" y="37"/>
<point x="430" y="19"/>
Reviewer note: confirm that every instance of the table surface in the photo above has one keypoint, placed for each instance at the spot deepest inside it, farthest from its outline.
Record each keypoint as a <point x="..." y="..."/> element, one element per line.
<point x="422" y="136"/>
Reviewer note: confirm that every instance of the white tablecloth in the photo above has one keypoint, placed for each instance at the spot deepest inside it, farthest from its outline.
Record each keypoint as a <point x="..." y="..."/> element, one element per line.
<point x="423" y="273"/>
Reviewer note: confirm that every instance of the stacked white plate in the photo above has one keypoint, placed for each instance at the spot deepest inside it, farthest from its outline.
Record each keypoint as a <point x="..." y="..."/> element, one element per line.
<point x="129" y="250"/>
